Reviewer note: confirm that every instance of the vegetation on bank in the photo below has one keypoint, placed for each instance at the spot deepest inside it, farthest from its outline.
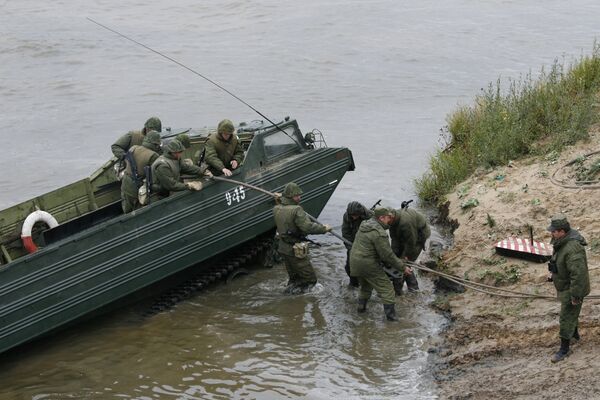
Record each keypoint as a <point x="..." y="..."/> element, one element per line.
<point x="529" y="117"/>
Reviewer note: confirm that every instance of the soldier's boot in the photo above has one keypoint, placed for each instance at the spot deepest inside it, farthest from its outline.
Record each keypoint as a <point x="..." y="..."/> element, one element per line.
<point x="390" y="312"/>
<point x="563" y="352"/>
<point x="576" y="336"/>
<point x="398" y="283"/>
<point x="411" y="282"/>
<point x="362" y="305"/>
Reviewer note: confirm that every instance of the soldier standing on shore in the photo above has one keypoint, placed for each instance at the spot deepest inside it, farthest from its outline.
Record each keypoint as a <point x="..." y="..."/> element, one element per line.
<point x="292" y="227"/>
<point x="370" y="249"/>
<point x="408" y="232"/>
<point x="355" y="214"/>
<point x="569" y="272"/>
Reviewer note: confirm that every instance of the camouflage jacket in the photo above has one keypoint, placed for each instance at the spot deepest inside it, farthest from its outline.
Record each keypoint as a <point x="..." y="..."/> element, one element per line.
<point x="371" y="247"/>
<point x="571" y="263"/>
<point x="142" y="157"/>
<point x="350" y="226"/>
<point x="166" y="173"/>
<point x="220" y="153"/>
<point x="409" y="232"/>
<point x="292" y="222"/>
<point x="124" y="143"/>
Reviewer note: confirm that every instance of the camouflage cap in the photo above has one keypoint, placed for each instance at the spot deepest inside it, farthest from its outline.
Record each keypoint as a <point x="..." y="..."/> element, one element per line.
<point x="559" y="221"/>
<point x="184" y="139"/>
<point x="175" y="146"/>
<point x="153" y="124"/>
<point x="291" y="189"/>
<point x="225" y="126"/>
<point x="153" y="137"/>
<point x="381" y="211"/>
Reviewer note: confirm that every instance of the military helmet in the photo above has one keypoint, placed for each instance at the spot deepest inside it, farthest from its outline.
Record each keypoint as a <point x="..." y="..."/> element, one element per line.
<point x="559" y="221"/>
<point x="225" y="126"/>
<point x="175" y="146"/>
<point x="381" y="211"/>
<point x="355" y="208"/>
<point x="153" y="124"/>
<point x="184" y="139"/>
<point x="291" y="189"/>
<point x="153" y="137"/>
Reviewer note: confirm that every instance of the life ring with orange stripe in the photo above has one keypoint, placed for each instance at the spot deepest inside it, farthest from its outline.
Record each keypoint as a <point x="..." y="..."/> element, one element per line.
<point x="32" y="219"/>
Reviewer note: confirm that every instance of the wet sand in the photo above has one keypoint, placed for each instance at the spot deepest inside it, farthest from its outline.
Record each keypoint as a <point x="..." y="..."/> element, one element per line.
<point x="499" y="348"/>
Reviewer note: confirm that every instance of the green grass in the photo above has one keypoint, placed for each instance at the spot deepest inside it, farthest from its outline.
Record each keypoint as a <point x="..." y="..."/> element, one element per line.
<point x="529" y="117"/>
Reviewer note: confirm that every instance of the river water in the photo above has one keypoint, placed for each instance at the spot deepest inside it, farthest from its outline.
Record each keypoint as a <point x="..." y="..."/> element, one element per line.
<point x="376" y="76"/>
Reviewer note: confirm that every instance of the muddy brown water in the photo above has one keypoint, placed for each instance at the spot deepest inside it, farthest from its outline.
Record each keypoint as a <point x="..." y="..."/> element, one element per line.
<point x="378" y="77"/>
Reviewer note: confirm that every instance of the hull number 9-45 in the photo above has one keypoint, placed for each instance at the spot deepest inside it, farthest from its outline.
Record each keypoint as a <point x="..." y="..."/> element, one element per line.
<point x="235" y="196"/>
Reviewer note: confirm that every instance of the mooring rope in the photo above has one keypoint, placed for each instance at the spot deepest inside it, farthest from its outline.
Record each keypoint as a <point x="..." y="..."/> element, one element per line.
<point x="578" y="184"/>
<point x="478" y="287"/>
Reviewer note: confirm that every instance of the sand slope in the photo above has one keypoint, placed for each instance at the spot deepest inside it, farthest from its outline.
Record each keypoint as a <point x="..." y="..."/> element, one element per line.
<point x="499" y="348"/>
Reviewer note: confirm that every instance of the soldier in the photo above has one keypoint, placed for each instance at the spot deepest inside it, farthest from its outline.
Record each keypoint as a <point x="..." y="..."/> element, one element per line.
<point x="409" y="232"/>
<point x="569" y="272"/>
<point x="355" y="214"/>
<point x="223" y="150"/>
<point x="292" y="226"/>
<point x="370" y="249"/>
<point x="141" y="156"/>
<point x="167" y="169"/>
<point x="131" y="138"/>
<point x="184" y="139"/>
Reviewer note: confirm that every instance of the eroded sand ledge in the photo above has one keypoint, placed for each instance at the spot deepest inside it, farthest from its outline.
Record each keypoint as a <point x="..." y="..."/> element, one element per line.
<point x="498" y="348"/>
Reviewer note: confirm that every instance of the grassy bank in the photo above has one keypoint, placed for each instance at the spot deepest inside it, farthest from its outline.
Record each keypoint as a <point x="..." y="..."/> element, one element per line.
<point x="529" y="116"/>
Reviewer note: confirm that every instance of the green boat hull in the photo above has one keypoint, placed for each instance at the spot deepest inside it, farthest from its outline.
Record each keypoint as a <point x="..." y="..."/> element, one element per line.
<point x="104" y="263"/>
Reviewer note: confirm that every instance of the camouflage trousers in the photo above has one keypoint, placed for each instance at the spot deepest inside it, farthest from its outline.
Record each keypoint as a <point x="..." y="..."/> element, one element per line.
<point x="569" y="315"/>
<point x="382" y="285"/>
<point x="129" y="199"/>
<point x="300" y="270"/>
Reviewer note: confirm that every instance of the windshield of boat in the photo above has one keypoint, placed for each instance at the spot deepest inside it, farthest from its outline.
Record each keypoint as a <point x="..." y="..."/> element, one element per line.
<point x="280" y="144"/>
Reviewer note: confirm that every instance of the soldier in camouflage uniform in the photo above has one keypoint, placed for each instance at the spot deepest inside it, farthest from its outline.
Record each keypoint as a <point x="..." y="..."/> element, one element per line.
<point x="408" y="232"/>
<point x="569" y="272"/>
<point x="370" y="249"/>
<point x="142" y="156"/>
<point x="292" y="226"/>
<point x="184" y="139"/>
<point x="132" y="138"/>
<point x="167" y="169"/>
<point x="223" y="150"/>
<point x="355" y="214"/>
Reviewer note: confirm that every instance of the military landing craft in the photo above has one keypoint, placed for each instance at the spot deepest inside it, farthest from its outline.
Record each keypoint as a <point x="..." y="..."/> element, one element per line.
<point x="72" y="253"/>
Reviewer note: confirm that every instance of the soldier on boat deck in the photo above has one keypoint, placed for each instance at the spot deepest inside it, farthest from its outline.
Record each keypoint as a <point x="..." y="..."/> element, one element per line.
<point x="371" y="249"/>
<point x="408" y="232"/>
<point x="137" y="158"/>
<point x="224" y="151"/>
<point x="167" y="169"/>
<point x="293" y="225"/>
<point x="131" y="138"/>
<point x="355" y="214"/>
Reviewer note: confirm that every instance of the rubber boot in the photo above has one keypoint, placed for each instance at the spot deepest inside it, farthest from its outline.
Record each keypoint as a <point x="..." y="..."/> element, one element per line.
<point x="362" y="305"/>
<point x="398" y="283"/>
<point x="390" y="312"/>
<point x="563" y="352"/>
<point x="411" y="282"/>
<point x="353" y="280"/>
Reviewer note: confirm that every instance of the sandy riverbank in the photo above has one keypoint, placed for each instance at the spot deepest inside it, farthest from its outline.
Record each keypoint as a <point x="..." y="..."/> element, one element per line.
<point x="498" y="348"/>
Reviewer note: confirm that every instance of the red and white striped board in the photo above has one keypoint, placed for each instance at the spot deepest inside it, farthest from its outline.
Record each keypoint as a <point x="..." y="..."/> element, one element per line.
<point x="515" y="246"/>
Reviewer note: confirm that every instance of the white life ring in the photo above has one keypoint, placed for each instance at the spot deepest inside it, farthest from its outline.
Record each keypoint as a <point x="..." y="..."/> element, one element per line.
<point x="36" y="216"/>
